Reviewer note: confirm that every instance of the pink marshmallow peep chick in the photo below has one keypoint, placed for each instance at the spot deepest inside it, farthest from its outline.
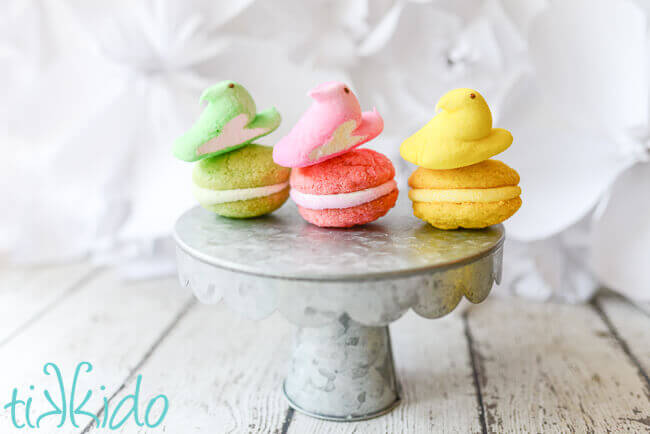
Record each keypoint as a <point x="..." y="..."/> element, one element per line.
<point x="332" y="125"/>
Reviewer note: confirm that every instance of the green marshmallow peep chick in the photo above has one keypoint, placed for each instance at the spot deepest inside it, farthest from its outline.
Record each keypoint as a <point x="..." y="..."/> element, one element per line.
<point x="229" y="121"/>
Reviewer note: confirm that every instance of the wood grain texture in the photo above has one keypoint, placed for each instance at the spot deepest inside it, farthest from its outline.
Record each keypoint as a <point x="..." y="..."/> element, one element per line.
<point x="554" y="368"/>
<point x="222" y="373"/>
<point x="632" y="325"/>
<point x="434" y="369"/>
<point x="538" y="367"/>
<point x="27" y="292"/>
<point x="109" y="323"/>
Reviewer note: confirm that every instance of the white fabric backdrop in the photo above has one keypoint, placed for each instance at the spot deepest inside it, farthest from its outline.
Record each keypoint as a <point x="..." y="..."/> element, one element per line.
<point x="97" y="91"/>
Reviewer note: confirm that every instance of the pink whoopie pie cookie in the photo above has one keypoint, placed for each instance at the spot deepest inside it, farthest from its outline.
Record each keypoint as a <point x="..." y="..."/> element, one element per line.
<point x="352" y="189"/>
<point x="334" y="124"/>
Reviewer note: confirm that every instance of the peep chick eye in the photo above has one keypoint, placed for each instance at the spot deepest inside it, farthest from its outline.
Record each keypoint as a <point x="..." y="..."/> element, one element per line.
<point x="471" y="95"/>
<point x="346" y="90"/>
<point x="231" y="85"/>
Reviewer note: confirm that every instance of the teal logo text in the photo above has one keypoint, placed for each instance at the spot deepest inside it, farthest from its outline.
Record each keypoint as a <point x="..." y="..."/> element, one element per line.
<point x="66" y="404"/>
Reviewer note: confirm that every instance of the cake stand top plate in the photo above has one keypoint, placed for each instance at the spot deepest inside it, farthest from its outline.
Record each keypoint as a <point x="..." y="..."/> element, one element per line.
<point x="282" y="245"/>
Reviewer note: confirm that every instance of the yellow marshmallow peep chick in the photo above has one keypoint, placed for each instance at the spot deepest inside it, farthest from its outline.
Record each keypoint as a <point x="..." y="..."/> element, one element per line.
<point x="460" y="135"/>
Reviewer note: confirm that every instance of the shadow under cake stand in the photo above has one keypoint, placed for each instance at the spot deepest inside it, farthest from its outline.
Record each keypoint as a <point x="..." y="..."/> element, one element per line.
<point x="341" y="287"/>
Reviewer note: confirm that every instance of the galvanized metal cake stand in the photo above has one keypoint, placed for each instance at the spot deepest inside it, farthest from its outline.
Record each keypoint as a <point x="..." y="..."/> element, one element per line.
<point x="342" y="287"/>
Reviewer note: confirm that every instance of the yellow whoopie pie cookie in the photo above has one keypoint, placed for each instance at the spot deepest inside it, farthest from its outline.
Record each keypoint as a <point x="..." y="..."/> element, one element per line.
<point x="460" y="135"/>
<point x="475" y="196"/>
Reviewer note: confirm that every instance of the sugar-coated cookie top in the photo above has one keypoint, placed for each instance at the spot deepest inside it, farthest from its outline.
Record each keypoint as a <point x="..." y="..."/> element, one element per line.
<point x="486" y="174"/>
<point x="353" y="171"/>
<point x="247" y="167"/>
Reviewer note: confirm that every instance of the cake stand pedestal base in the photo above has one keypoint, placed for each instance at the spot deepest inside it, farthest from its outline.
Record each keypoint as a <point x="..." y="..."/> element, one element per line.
<point x="342" y="372"/>
<point x="341" y="287"/>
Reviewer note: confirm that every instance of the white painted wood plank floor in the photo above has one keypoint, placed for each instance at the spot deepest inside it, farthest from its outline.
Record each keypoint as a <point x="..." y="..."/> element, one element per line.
<point x="507" y="365"/>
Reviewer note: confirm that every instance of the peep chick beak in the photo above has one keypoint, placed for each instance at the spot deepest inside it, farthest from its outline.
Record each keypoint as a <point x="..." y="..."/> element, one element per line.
<point x="317" y="94"/>
<point x="442" y="104"/>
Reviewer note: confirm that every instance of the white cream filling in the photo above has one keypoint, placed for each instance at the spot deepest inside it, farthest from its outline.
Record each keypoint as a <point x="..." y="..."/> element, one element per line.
<point x="342" y="200"/>
<point x="206" y="196"/>
<point x="341" y="139"/>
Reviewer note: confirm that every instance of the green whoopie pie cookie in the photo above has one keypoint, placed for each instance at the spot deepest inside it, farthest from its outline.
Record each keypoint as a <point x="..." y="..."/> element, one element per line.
<point x="229" y="121"/>
<point x="241" y="184"/>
